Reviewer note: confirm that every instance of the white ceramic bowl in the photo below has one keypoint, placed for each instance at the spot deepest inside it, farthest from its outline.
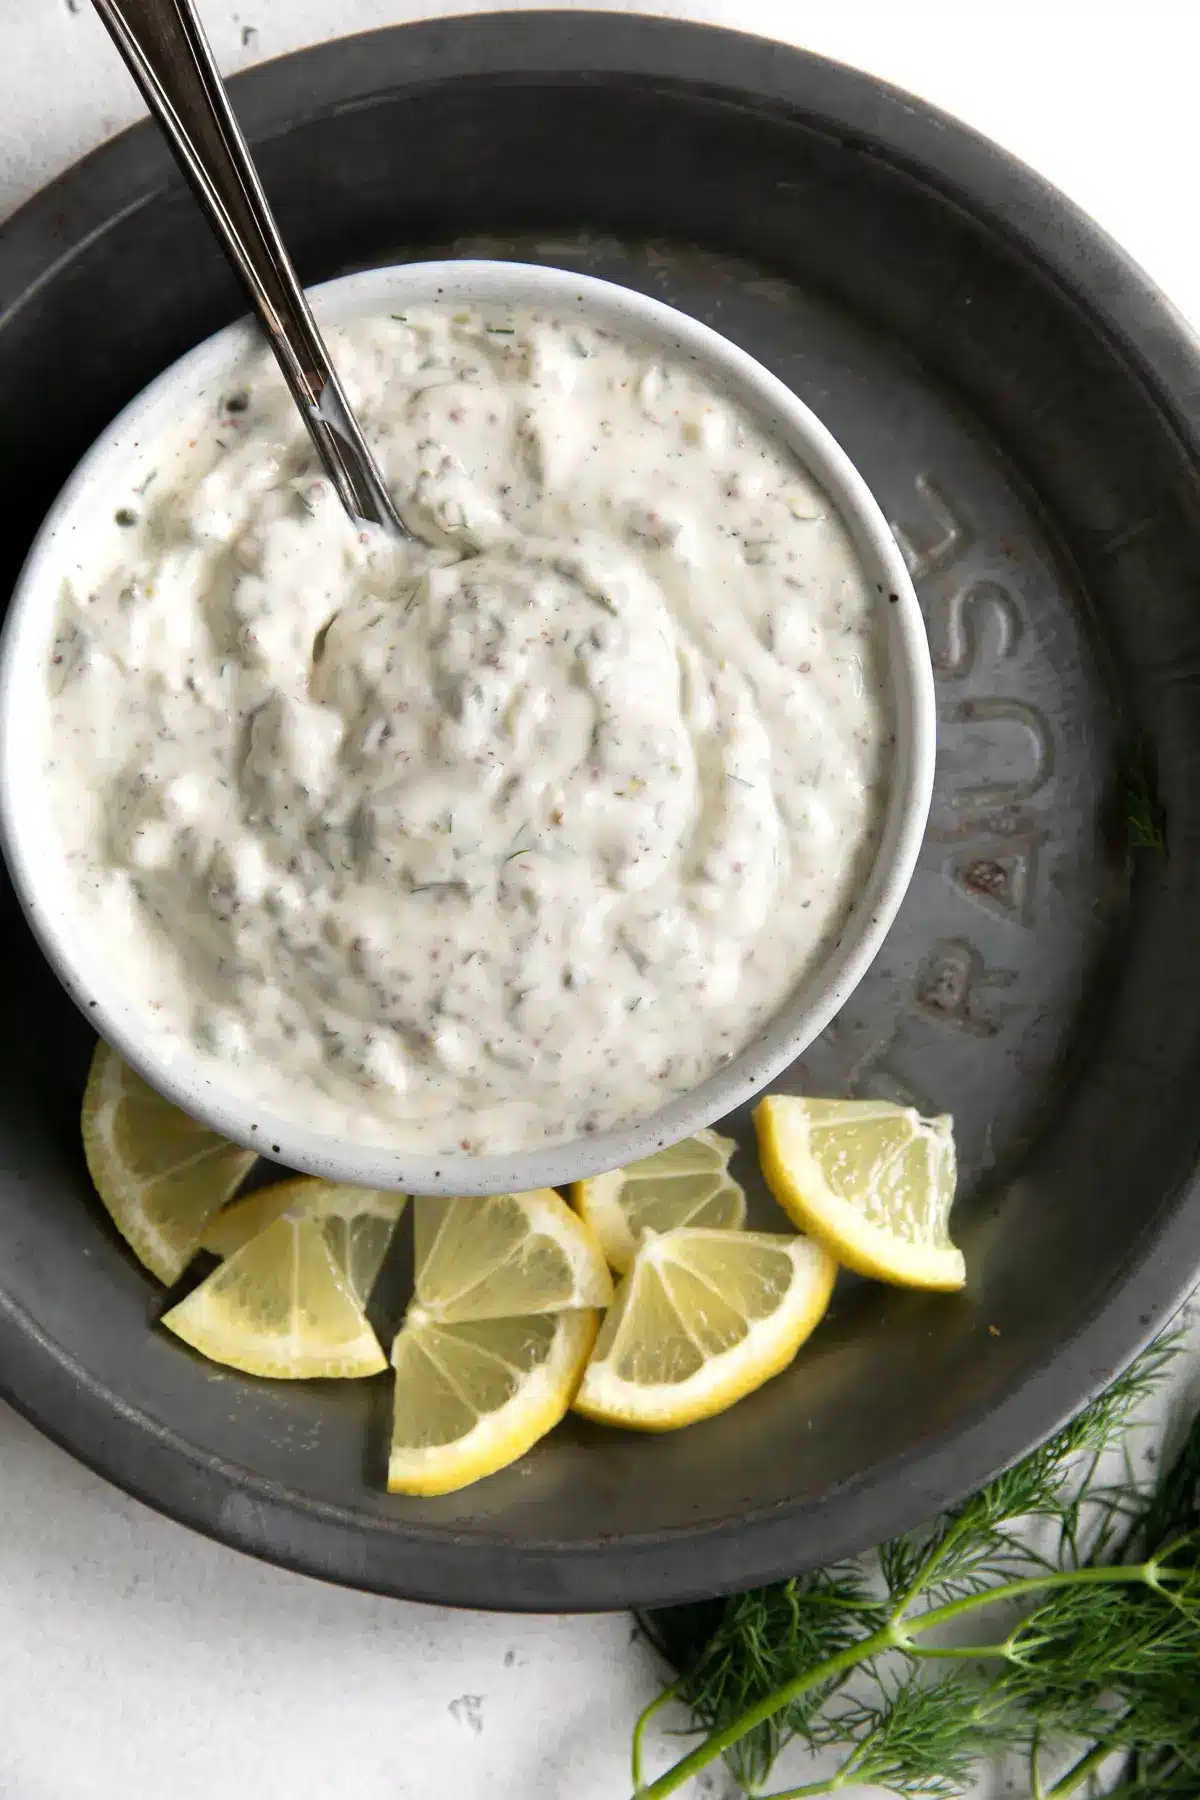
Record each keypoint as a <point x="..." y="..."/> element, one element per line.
<point x="27" y="829"/>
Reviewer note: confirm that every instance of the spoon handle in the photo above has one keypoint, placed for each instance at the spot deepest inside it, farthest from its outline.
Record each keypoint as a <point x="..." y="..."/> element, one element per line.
<point x="164" y="47"/>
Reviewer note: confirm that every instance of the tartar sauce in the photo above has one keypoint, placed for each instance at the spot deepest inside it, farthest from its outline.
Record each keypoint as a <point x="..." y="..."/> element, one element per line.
<point x="496" y="838"/>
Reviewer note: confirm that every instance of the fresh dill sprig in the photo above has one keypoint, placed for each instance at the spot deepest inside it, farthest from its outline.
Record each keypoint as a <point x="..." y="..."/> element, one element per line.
<point x="1090" y="1651"/>
<point x="920" y="1737"/>
<point x="738" y="1651"/>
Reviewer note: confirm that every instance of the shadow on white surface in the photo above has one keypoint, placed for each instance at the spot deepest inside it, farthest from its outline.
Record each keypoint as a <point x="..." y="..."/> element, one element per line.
<point x="139" y="1659"/>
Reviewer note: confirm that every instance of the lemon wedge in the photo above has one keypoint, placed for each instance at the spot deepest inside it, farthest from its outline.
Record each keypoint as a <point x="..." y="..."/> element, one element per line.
<point x="685" y="1184"/>
<point x="703" y="1318"/>
<point x="874" y="1182"/>
<point x="497" y="1337"/>
<point x="504" y="1257"/>
<point x="472" y="1396"/>
<point x="356" y="1223"/>
<point x="282" y="1307"/>
<point x="161" y="1176"/>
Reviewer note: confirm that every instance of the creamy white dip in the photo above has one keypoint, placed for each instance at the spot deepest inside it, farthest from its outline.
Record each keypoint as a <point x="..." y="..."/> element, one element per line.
<point x="494" y="839"/>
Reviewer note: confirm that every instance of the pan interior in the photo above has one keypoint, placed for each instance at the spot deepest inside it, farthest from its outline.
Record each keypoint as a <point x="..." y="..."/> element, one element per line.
<point x="1032" y="985"/>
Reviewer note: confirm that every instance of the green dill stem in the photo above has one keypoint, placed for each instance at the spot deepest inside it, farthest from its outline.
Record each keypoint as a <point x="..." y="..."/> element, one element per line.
<point x="1037" y="1791"/>
<point x="927" y="1571"/>
<point x="886" y="1638"/>
<point x="639" y="1730"/>
<point x="895" y="1635"/>
<point x="719" y="1741"/>
<point x="810" y="1787"/>
<point x="1080" y="1771"/>
<point x="856" y="1768"/>
<point x="1149" y="1574"/>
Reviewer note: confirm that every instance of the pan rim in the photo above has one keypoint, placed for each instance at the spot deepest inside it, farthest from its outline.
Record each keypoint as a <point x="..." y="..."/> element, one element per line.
<point x="1160" y="353"/>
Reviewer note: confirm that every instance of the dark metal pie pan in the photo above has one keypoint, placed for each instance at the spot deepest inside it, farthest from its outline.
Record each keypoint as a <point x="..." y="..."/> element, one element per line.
<point x="1027" y="409"/>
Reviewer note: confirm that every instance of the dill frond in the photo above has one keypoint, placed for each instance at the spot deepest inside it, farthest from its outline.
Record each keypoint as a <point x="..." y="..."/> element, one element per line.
<point x="1104" y="1657"/>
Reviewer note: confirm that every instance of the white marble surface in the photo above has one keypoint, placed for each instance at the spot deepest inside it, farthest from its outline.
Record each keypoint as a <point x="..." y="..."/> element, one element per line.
<point x="139" y="1660"/>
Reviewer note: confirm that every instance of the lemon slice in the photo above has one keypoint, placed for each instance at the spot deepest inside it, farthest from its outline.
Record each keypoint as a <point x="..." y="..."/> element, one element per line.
<point x="474" y="1395"/>
<point x="504" y="1257"/>
<point x="702" y="1318"/>
<point x="161" y="1176"/>
<point x="497" y="1337"/>
<point x="280" y="1306"/>
<point x="685" y="1184"/>
<point x="874" y="1182"/>
<point x="356" y="1223"/>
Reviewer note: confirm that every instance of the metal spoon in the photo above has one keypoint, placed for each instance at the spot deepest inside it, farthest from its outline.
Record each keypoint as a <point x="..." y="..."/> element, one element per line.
<point x="164" y="46"/>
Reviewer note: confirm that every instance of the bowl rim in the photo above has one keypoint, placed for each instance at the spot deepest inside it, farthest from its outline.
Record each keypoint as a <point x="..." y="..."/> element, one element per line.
<point x="168" y="1064"/>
